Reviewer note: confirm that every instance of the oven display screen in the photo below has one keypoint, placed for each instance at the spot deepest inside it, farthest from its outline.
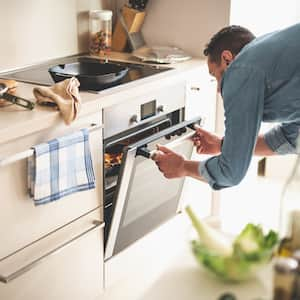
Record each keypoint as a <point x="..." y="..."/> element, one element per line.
<point x="148" y="109"/>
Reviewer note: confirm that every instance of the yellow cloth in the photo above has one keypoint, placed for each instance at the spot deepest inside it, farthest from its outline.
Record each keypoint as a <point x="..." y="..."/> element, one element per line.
<point x="65" y="94"/>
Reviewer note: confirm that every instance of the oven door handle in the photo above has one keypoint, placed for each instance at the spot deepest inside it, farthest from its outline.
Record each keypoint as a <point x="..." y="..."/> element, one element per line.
<point x="145" y="152"/>
<point x="178" y="129"/>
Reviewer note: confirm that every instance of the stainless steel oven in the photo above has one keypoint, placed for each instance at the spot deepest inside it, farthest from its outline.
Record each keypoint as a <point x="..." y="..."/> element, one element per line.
<point x="137" y="197"/>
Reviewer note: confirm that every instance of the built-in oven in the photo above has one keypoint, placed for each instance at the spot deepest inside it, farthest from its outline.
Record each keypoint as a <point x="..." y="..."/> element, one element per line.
<point x="137" y="197"/>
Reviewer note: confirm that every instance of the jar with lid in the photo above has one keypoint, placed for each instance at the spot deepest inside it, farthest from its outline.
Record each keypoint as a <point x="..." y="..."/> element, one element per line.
<point x="284" y="278"/>
<point x="296" y="295"/>
<point x="100" y="31"/>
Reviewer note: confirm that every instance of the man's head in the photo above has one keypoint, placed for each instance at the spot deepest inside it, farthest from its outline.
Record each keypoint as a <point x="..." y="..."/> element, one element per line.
<point x="224" y="46"/>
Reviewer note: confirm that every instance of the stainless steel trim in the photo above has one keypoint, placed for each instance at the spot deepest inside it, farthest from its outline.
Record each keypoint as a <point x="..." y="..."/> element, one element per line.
<point x="22" y="270"/>
<point x="27" y="153"/>
<point x="122" y="193"/>
<point x="165" y="132"/>
<point x="128" y="136"/>
<point x="171" y="97"/>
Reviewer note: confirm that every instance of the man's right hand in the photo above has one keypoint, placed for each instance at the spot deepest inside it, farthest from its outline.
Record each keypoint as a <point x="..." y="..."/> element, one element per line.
<point x="206" y="142"/>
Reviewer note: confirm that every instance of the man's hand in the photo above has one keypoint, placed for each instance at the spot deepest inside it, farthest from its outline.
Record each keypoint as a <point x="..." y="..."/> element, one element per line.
<point x="206" y="142"/>
<point x="171" y="164"/>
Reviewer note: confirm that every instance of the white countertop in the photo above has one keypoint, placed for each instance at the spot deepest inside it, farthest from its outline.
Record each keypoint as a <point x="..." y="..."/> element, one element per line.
<point x="185" y="279"/>
<point x="16" y="122"/>
<point x="169" y="271"/>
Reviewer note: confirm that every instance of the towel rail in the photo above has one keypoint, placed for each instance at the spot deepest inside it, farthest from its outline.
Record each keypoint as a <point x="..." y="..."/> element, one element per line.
<point x="27" y="153"/>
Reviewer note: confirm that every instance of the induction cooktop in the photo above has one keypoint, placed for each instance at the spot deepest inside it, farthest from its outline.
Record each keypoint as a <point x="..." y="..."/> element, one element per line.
<point x="38" y="74"/>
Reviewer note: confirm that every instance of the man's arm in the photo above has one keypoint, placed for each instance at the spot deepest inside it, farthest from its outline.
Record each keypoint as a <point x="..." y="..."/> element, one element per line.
<point x="261" y="147"/>
<point x="209" y="143"/>
<point x="192" y="169"/>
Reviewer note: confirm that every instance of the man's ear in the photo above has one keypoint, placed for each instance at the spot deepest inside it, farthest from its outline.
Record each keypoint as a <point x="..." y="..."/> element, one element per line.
<point x="227" y="57"/>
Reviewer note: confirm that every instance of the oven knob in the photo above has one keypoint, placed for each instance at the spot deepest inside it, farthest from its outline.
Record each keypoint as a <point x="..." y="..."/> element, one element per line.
<point x="133" y="119"/>
<point x="183" y="130"/>
<point x="160" y="108"/>
<point x="179" y="132"/>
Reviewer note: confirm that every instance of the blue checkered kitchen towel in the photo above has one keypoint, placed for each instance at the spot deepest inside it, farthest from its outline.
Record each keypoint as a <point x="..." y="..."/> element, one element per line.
<point x="60" y="167"/>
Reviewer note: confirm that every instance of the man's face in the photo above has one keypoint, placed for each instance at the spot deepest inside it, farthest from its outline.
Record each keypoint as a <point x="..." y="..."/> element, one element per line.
<point x="216" y="70"/>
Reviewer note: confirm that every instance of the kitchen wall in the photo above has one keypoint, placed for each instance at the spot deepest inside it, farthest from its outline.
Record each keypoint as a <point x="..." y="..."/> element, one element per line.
<point x="278" y="15"/>
<point x="35" y="30"/>
<point x="185" y="24"/>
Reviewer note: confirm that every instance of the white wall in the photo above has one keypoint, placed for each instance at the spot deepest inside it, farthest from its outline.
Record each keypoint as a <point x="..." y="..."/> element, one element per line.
<point x="264" y="16"/>
<point x="35" y="30"/>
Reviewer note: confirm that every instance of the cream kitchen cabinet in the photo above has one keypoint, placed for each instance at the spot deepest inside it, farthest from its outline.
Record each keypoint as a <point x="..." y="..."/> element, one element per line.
<point x="21" y="223"/>
<point x="200" y="99"/>
<point x="201" y="96"/>
<point x="66" y="264"/>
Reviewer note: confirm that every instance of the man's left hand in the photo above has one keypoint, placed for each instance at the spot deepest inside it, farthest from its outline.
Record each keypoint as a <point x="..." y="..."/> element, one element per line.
<point x="171" y="164"/>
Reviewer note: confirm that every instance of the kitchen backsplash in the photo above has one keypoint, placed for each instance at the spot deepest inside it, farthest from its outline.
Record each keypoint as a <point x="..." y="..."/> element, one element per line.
<point x="35" y="30"/>
<point x="185" y="24"/>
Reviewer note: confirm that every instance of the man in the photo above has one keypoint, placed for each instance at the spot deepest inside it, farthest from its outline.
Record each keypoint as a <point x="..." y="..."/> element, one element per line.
<point x="259" y="80"/>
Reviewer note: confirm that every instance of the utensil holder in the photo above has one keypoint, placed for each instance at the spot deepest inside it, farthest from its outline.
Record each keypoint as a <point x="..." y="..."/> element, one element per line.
<point x="134" y="20"/>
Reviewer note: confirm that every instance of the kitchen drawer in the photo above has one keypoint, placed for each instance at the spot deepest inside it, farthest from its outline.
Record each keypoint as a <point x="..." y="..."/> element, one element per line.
<point x="128" y="114"/>
<point x="21" y="222"/>
<point x="201" y="97"/>
<point x="67" y="264"/>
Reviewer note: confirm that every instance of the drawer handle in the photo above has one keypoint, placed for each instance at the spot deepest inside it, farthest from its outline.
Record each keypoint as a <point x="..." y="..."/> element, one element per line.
<point x="27" y="153"/>
<point x="195" y="88"/>
<point x="16" y="274"/>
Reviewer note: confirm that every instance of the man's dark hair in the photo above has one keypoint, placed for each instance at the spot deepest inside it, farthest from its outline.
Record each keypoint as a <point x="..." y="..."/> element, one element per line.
<point x="232" y="38"/>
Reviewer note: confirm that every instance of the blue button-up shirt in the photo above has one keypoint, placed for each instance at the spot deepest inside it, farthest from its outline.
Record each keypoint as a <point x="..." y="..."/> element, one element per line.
<point x="262" y="84"/>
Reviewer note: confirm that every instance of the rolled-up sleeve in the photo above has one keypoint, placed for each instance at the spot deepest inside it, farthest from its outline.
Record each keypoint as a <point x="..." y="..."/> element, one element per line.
<point x="243" y="97"/>
<point x="282" y="139"/>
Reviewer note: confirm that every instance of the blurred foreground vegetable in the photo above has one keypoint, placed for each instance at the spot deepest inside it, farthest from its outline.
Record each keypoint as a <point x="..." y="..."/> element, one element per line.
<point x="232" y="260"/>
<point x="211" y="238"/>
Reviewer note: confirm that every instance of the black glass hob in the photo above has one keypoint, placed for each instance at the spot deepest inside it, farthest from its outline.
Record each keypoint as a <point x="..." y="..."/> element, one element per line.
<point x="38" y="74"/>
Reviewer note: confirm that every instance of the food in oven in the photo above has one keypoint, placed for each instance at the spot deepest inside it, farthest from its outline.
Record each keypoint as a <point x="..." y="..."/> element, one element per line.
<point x="112" y="159"/>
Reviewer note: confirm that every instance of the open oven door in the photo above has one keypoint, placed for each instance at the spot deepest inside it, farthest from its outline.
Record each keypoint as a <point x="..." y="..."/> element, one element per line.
<point x="145" y="198"/>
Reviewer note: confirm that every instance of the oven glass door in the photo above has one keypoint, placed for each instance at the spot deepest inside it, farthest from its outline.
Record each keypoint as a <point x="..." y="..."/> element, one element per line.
<point x="145" y="198"/>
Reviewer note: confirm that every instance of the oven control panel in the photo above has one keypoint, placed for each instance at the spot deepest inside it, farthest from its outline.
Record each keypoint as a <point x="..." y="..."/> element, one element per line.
<point x="135" y="111"/>
<point x="148" y="109"/>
